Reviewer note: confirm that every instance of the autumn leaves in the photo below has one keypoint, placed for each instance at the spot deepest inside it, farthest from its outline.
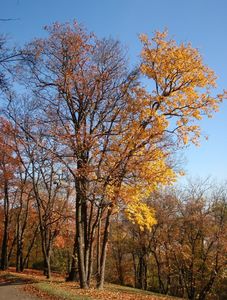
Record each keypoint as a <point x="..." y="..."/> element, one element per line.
<point x="183" y="84"/>
<point x="96" y="123"/>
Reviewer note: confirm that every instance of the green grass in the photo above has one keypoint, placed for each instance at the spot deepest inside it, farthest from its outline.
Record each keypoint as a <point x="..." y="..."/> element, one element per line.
<point x="126" y="289"/>
<point x="131" y="290"/>
<point x="58" y="292"/>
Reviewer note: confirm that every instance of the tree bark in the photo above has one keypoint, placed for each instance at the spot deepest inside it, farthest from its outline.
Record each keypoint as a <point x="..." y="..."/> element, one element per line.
<point x="80" y="239"/>
<point x="73" y="274"/>
<point x="4" y="253"/>
<point x="101" y="275"/>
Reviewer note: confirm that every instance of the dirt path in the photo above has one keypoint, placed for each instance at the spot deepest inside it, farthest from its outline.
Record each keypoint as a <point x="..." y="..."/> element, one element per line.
<point x="13" y="290"/>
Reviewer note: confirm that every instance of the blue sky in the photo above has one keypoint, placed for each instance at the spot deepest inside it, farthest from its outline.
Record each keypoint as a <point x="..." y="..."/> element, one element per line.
<point x="201" y="22"/>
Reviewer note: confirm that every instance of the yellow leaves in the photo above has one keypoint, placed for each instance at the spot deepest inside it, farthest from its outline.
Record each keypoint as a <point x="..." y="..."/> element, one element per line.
<point x="146" y="171"/>
<point x="141" y="214"/>
<point x="111" y="192"/>
<point x="185" y="139"/>
<point x="157" y="172"/>
<point x="149" y="173"/>
<point x="182" y="82"/>
<point x="196" y="114"/>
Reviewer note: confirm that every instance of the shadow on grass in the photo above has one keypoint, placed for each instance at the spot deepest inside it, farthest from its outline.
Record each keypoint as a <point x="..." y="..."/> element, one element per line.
<point x="10" y="280"/>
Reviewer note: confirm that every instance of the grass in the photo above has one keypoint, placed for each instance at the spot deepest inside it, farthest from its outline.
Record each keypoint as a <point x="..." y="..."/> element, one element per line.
<point x="57" y="288"/>
<point x="131" y="290"/>
<point x="47" y="288"/>
<point x="57" y="292"/>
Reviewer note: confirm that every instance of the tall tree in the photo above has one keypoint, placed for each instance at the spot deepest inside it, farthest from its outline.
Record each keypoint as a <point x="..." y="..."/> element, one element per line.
<point x="8" y="165"/>
<point x="114" y="137"/>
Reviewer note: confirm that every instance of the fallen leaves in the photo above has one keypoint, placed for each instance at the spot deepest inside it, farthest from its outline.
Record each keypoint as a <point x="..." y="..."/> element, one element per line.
<point x="33" y="281"/>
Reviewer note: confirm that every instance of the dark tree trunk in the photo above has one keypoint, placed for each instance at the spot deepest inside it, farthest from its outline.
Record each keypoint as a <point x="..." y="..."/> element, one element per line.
<point x="47" y="267"/>
<point x="19" y="258"/>
<point x="90" y="262"/>
<point x="4" y="253"/>
<point x="98" y="250"/>
<point x="26" y="259"/>
<point x="140" y="273"/>
<point x="135" y="269"/>
<point x="80" y="239"/>
<point x="73" y="274"/>
<point x="101" y="275"/>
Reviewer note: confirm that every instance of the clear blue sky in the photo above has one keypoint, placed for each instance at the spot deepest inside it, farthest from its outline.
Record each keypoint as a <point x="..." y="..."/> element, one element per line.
<point x="202" y="22"/>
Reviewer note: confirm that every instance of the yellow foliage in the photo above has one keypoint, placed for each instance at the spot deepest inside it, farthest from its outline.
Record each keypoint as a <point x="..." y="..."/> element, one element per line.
<point x="141" y="214"/>
<point x="183" y="83"/>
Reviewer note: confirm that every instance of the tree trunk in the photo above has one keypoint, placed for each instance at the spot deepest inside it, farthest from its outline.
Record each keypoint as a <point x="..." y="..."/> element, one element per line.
<point x="90" y="262"/>
<point x="135" y="269"/>
<point x="73" y="274"/>
<point x="26" y="259"/>
<point x="19" y="258"/>
<point x="47" y="267"/>
<point x="140" y="274"/>
<point x="80" y="241"/>
<point x="101" y="275"/>
<point x="98" y="250"/>
<point x="4" y="253"/>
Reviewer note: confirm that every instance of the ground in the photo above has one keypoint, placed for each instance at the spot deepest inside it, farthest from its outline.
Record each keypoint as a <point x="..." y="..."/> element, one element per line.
<point x="32" y="285"/>
<point x="12" y="288"/>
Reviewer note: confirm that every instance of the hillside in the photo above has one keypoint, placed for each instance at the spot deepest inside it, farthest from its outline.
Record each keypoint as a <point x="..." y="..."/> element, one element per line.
<point x="33" y="282"/>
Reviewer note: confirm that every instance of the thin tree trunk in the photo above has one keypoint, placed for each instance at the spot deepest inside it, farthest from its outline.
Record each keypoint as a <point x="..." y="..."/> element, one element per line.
<point x="84" y="216"/>
<point x="98" y="249"/>
<point x="80" y="242"/>
<point x="47" y="267"/>
<point x="101" y="276"/>
<point x="25" y="260"/>
<point x="135" y="269"/>
<point x="10" y="249"/>
<point x="90" y="262"/>
<point x="4" y="253"/>
<point x="19" y="247"/>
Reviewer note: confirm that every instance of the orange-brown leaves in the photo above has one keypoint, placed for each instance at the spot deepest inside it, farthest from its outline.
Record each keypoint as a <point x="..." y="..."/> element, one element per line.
<point x="8" y="158"/>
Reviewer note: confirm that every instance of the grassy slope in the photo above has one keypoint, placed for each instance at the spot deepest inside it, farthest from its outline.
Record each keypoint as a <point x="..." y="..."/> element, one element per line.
<point x="57" y="288"/>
